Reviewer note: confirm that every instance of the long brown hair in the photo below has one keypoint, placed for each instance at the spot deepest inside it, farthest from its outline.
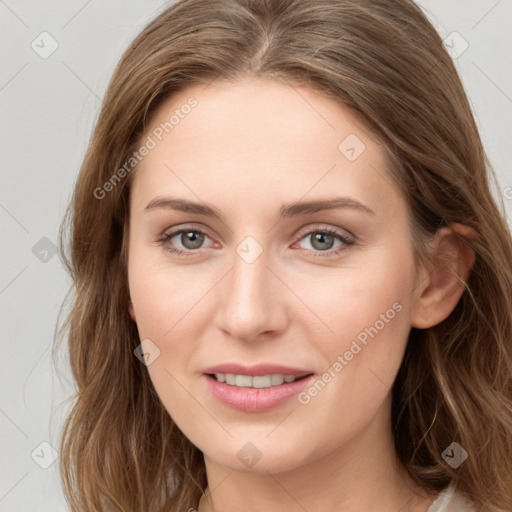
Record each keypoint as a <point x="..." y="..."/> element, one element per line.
<point x="384" y="60"/>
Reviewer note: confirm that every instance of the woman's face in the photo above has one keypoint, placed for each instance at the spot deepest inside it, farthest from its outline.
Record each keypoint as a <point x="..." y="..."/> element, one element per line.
<point x="296" y="260"/>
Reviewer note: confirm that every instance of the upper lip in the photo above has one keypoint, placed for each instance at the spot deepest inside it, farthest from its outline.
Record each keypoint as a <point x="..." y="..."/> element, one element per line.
<point x="257" y="369"/>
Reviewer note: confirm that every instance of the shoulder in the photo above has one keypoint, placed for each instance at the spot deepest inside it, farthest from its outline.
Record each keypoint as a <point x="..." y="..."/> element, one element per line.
<point x="450" y="500"/>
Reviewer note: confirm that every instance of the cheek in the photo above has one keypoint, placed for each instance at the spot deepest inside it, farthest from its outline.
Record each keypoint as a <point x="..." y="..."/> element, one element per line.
<point x="173" y="310"/>
<point x="169" y="316"/>
<point x="168" y="308"/>
<point x="364" y="302"/>
<point x="163" y="295"/>
<point x="362" y="358"/>
<point x="369" y="311"/>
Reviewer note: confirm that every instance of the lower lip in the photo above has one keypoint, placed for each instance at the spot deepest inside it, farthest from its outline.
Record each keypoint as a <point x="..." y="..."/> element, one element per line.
<point x="255" y="399"/>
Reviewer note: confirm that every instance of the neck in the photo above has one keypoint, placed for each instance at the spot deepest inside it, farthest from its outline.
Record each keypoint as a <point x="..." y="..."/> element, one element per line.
<point x="363" y="474"/>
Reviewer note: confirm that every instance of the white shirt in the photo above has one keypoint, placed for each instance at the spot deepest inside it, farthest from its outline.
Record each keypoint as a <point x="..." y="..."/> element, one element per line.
<point x="449" y="500"/>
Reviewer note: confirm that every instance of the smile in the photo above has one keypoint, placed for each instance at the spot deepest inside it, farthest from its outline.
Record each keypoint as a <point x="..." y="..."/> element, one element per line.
<point x="257" y="381"/>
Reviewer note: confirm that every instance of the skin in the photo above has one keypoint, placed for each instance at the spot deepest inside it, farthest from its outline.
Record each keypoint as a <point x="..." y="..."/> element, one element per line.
<point x="247" y="148"/>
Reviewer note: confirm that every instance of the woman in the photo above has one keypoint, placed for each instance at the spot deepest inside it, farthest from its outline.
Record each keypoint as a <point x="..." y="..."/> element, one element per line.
<point x="292" y="283"/>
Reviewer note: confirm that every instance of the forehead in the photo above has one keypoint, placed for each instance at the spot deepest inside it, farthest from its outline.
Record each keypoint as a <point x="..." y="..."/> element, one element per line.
<point x="257" y="138"/>
<point x="253" y="111"/>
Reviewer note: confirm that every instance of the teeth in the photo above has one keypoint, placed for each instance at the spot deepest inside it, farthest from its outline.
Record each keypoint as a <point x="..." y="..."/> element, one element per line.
<point x="260" y="381"/>
<point x="243" y="381"/>
<point x="276" y="380"/>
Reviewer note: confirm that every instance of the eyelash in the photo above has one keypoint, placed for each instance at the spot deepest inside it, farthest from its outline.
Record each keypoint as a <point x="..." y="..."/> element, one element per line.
<point x="347" y="241"/>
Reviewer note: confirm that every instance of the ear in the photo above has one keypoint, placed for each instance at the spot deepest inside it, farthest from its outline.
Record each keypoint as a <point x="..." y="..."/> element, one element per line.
<point x="441" y="287"/>
<point x="131" y="310"/>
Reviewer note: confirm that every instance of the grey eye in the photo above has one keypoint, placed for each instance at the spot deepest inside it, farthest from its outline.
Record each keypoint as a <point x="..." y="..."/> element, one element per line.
<point x="322" y="241"/>
<point x="191" y="239"/>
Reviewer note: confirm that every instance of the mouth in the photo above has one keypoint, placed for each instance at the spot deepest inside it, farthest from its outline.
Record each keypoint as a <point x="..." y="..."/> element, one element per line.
<point x="256" y="393"/>
<point x="256" y="381"/>
<point x="256" y="387"/>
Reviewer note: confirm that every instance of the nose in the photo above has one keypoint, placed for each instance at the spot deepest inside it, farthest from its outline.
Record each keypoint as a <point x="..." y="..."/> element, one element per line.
<point x="252" y="301"/>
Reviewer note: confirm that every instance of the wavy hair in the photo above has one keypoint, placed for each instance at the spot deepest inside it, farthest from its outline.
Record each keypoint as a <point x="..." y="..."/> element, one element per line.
<point x="120" y="449"/>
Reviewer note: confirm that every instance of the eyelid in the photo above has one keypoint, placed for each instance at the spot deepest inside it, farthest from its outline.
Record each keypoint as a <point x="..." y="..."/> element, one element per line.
<point x="309" y="228"/>
<point x="171" y="232"/>
<point x="174" y="230"/>
<point x="345" y="236"/>
<point x="305" y="230"/>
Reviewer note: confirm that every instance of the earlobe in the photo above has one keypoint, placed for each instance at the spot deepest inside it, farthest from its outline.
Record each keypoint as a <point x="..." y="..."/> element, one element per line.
<point x="131" y="310"/>
<point x="441" y="289"/>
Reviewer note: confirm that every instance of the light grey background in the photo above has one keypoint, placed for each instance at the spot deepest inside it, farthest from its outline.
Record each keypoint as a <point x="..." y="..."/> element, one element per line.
<point x="48" y="108"/>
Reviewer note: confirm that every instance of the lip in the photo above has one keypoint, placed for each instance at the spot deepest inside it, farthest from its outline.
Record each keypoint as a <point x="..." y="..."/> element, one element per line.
<point x="257" y="369"/>
<point x="255" y="399"/>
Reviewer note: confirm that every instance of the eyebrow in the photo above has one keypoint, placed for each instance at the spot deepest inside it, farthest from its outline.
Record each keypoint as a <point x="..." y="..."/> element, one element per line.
<point x="294" y="209"/>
